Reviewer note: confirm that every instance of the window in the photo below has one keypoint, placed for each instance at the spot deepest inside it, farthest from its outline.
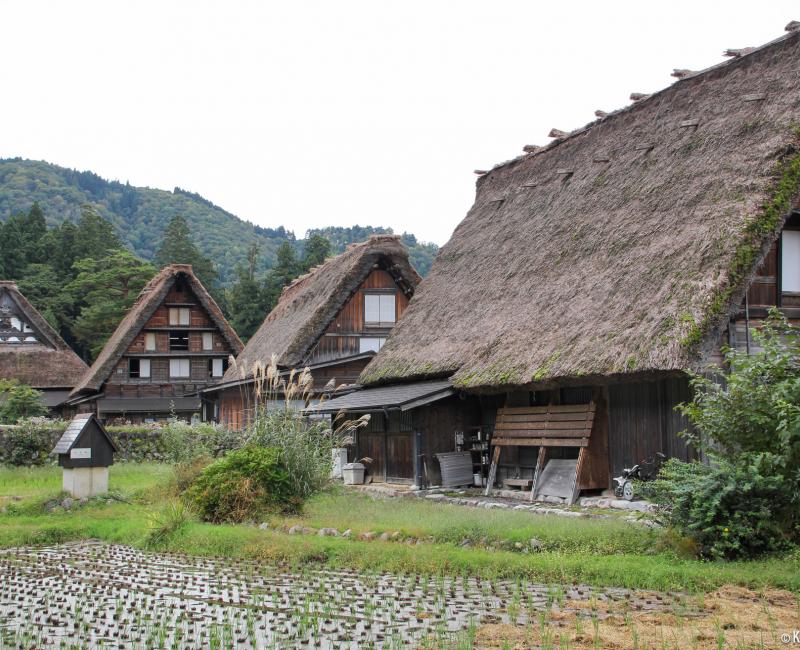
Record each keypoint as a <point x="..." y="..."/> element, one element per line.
<point x="216" y="367"/>
<point x="178" y="315"/>
<point x="139" y="368"/>
<point x="379" y="308"/>
<point x="179" y="368"/>
<point x="179" y="341"/>
<point x="370" y="344"/>
<point x="790" y="260"/>
<point x="208" y="341"/>
<point x="149" y="342"/>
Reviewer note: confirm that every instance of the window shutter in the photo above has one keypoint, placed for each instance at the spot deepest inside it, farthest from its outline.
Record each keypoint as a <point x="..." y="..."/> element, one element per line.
<point x="216" y="368"/>
<point x="790" y="260"/>
<point x="208" y="341"/>
<point x="387" y="308"/>
<point x="372" y="309"/>
<point x="179" y="368"/>
<point x="144" y="368"/>
<point x="149" y="342"/>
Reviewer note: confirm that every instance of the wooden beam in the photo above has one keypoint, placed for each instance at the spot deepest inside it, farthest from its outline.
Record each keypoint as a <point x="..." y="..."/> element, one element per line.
<point x="538" y="470"/>
<point x="492" y="471"/>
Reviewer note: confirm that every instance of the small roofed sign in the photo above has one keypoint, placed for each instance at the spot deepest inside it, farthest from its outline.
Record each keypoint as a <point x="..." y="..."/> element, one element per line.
<point x="85" y="452"/>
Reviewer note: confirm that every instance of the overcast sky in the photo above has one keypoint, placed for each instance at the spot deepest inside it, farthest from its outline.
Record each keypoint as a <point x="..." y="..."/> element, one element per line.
<point x="307" y="114"/>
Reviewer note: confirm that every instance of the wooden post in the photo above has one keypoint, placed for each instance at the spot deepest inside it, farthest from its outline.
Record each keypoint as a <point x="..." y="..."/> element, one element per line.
<point x="539" y="463"/>
<point x="576" y="487"/>
<point x="492" y="471"/>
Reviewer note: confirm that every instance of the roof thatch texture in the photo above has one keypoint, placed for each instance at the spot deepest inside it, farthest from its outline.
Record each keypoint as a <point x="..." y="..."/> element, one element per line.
<point x="309" y="304"/>
<point x="147" y="302"/>
<point x="621" y="248"/>
<point x="48" y="364"/>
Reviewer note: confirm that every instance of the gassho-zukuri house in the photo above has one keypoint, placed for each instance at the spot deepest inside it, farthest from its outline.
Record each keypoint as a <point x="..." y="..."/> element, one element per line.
<point x="332" y="320"/>
<point x="173" y="342"/>
<point x="589" y="276"/>
<point x="32" y="352"/>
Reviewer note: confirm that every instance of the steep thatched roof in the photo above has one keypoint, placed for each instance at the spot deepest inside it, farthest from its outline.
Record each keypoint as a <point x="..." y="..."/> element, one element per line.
<point x="308" y="305"/>
<point x="148" y="301"/>
<point x="620" y="248"/>
<point x="48" y="364"/>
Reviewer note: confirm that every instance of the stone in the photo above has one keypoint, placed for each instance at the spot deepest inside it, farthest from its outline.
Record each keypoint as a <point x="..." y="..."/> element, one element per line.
<point x="264" y="526"/>
<point x="328" y="532"/>
<point x="384" y="537"/>
<point x="347" y="533"/>
<point x="367" y="536"/>
<point x="465" y="543"/>
<point x="295" y="530"/>
<point x="436" y="497"/>
<point x="535" y="544"/>
<point x="309" y="531"/>
<point x="84" y="501"/>
<point x="67" y="503"/>
<point x="518" y="546"/>
<point x="396" y="535"/>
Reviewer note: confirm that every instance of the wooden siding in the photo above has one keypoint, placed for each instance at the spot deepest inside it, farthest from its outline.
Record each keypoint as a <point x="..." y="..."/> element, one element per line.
<point x="160" y="384"/>
<point x="341" y="338"/>
<point x="236" y="404"/>
<point x="642" y="421"/>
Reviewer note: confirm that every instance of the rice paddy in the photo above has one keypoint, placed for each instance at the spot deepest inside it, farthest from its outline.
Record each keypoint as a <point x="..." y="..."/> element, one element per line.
<point x="91" y="594"/>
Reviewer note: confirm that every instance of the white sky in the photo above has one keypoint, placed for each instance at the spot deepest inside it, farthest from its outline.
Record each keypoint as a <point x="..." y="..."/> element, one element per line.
<point x="307" y="114"/>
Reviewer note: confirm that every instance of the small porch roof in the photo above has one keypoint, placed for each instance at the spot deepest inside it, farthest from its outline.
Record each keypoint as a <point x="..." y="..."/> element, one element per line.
<point x="399" y="396"/>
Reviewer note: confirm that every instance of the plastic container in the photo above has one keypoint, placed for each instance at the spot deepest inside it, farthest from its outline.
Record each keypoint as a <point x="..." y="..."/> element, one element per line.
<point x="353" y="474"/>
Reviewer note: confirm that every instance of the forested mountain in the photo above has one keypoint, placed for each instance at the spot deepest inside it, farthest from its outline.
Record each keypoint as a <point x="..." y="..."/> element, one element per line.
<point x="140" y="215"/>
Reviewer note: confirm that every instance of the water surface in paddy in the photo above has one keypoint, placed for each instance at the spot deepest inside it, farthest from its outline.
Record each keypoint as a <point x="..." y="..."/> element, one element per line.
<point x="91" y="594"/>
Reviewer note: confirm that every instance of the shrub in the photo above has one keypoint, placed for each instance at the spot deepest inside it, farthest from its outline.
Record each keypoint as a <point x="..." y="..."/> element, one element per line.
<point x="166" y="523"/>
<point x="730" y="510"/>
<point x="21" y="401"/>
<point x="747" y="502"/>
<point x="30" y="442"/>
<point x="242" y="486"/>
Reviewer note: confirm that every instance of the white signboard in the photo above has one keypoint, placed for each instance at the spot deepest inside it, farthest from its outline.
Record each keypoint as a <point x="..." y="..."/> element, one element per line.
<point x="81" y="452"/>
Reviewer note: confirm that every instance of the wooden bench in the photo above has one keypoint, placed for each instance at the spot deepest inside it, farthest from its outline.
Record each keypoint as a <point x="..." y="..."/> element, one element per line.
<point x="551" y="426"/>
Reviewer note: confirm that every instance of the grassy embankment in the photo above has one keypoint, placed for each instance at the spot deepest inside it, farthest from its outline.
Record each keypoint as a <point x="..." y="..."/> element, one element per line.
<point x="592" y="551"/>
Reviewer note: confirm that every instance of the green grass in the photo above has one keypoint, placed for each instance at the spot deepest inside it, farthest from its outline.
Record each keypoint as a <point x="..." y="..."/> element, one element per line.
<point x="592" y="551"/>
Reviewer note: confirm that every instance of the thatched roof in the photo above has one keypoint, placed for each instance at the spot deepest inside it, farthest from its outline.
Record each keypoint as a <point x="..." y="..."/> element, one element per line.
<point x="309" y="304"/>
<point x="48" y="364"/>
<point x="148" y="301"/>
<point x="620" y="248"/>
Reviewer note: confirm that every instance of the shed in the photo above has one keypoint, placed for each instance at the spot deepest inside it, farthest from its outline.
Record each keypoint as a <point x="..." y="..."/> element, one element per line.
<point x="85" y="451"/>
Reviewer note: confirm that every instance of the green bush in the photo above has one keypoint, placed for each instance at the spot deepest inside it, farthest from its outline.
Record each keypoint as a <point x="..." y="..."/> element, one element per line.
<point x="242" y="486"/>
<point x="21" y="401"/>
<point x="30" y="441"/>
<point x="747" y="501"/>
<point x="730" y="510"/>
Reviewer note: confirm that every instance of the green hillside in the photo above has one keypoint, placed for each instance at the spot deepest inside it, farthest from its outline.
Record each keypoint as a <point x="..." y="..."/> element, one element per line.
<point x="140" y="215"/>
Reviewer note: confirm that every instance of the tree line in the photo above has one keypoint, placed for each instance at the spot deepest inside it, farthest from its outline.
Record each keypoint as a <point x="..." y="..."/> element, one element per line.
<point x="82" y="279"/>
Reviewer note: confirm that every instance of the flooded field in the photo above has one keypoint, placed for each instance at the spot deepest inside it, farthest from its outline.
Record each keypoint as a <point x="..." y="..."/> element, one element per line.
<point x="98" y="595"/>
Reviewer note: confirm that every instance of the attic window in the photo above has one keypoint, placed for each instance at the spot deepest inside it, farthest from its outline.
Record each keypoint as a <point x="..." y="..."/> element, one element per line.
<point x="370" y="344"/>
<point x="790" y="261"/>
<point x="179" y="341"/>
<point x="179" y="316"/>
<point x="379" y="309"/>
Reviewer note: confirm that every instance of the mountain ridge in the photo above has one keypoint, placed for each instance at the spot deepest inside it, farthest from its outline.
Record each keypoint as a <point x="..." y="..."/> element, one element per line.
<point x="140" y="215"/>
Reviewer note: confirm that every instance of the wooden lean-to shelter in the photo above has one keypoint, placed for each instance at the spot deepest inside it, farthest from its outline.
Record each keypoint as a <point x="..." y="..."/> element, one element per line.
<point x="331" y="320"/>
<point x="173" y="342"/>
<point x="599" y="269"/>
<point x="32" y="352"/>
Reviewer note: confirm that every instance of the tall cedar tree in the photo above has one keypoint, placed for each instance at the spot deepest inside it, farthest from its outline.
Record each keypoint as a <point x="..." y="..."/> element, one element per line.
<point x="177" y="247"/>
<point x="107" y="288"/>
<point x="316" y="251"/>
<point x="248" y="298"/>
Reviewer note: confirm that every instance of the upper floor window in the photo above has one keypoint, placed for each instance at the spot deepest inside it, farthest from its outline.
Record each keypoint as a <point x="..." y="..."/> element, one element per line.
<point x="217" y="367"/>
<point x="790" y="260"/>
<point x="179" y="341"/>
<point x="208" y="341"/>
<point x="138" y="368"/>
<point x="379" y="308"/>
<point x="369" y="344"/>
<point x="179" y="316"/>
<point x="179" y="368"/>
<point x="149" y="342"/>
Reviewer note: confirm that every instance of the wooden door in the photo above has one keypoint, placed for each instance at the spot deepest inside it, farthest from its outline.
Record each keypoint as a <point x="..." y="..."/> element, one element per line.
<point x="399" y="457"/>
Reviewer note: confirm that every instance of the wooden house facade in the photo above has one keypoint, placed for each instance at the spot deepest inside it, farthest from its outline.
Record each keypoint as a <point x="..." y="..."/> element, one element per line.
<point x="332" y="320"/>
<point x="172" y="343"/>
<point x="32" y="352"/>
<point x="592" y="275"/>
